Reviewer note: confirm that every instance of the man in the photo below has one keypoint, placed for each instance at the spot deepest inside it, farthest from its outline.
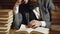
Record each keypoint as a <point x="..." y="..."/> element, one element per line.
<point x="36" y="14"/>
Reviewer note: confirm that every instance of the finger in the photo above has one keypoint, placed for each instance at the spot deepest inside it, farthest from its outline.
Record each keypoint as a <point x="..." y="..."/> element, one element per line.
<point x="25" y="1"/>
<point x="29" y="25"/>
<point x="35" y="26"/>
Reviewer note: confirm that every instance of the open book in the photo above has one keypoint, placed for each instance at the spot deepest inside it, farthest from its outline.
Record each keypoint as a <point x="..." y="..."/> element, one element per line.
<point x="39" y="30"/>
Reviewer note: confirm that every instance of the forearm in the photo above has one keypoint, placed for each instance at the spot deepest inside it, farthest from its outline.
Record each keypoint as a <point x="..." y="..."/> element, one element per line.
<point x="18" y="2"/>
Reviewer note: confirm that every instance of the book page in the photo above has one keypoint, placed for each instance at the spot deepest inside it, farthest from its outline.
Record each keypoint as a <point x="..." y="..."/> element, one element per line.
<point x="39" y="29"/>
<point x="23" y="28"/>
<point x="42" y="30"/>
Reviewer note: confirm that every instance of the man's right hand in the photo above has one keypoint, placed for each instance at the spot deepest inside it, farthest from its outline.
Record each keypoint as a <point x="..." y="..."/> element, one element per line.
<point x="26" y="1"/>
<point x="34" y="1"/>
<point x="22" y="1"/>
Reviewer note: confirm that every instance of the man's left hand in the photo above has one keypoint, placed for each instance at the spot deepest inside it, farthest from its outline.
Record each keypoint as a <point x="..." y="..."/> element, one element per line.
<point x="34" y="24"/>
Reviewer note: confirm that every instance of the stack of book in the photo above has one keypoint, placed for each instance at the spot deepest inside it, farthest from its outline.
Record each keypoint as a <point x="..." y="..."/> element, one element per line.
<point x="6" y="19"/>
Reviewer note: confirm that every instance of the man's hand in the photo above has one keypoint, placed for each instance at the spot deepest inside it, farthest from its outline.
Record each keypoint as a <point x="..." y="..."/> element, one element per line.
<point x="26" y="1"/>
<point x="34" y="24"/>
<point x="34" y="1"/>
<point x="21" y="2"/>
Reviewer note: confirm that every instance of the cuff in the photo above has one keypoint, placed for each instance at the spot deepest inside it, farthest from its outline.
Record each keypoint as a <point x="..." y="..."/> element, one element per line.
<point x="43" y="23"/>
<point x="17" y="9"/>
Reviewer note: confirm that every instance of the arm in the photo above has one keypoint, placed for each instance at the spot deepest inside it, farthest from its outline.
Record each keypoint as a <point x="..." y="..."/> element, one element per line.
<point x="45" y="18"/>
<point x="17" y="15"/>
<point x="19" y="2"/>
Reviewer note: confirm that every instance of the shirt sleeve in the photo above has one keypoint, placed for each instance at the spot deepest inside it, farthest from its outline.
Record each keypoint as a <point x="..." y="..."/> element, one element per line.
<point x="43" y="23"/>
<point x="17" y="9"/>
